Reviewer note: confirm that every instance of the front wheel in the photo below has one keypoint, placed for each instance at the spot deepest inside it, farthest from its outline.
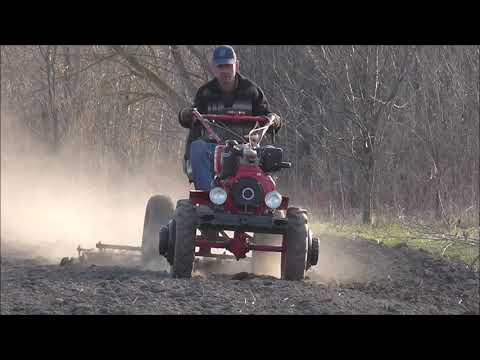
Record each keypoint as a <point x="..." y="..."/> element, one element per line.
<point x="186" y="229"/>
<point x="294" y="259"/>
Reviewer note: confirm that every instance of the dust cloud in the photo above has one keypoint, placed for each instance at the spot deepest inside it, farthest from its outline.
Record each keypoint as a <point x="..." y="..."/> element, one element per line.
<point x="51" y="204"/>
<point x="343" y="260"/>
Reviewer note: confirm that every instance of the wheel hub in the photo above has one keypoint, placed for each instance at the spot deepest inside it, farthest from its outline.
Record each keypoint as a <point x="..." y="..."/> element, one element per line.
<point x="164" y="238"/>
<point x="313" y="250"/>
<point x="166" y="245"/>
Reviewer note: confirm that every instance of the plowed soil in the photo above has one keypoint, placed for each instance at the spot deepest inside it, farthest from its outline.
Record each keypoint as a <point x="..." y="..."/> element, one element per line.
<point x="352" y="277"/>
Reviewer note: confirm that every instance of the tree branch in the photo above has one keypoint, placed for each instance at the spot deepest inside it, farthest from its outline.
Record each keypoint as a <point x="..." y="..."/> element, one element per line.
<point x="178" y="100"/>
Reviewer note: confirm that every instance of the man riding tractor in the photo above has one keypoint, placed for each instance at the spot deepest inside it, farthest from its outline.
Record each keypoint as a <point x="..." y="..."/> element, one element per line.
<point x="235" y="190"/>
<point x="228" y="92"/>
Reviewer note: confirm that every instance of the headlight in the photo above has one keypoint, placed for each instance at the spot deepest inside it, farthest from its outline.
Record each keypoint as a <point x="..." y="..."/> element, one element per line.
<point x="218" y="196"/>
<point x="273" y="199"/>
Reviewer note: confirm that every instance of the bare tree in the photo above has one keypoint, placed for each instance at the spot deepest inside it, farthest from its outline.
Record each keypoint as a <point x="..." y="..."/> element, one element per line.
<point x="392" y="128"/>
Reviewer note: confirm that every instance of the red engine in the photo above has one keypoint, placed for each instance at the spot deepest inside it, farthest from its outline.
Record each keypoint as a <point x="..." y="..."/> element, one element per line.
<point x="246" y="189"/>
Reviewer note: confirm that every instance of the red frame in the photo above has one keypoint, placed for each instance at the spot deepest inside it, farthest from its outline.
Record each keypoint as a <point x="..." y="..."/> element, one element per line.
<point x="200" y="197"/>
<point x="217" y="158"/>
<point x="239" y="245"/>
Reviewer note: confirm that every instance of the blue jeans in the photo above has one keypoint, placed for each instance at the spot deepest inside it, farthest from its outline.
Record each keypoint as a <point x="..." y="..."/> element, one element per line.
<point x="201" y="159"/>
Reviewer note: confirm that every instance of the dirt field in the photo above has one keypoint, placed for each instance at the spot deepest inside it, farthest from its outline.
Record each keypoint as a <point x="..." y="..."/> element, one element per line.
<point x="352" y="277"/>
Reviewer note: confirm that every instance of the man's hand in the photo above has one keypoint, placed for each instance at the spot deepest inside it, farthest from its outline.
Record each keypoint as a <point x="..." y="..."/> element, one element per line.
<point x="185" y="117"/>
<point x="276" y="120"/>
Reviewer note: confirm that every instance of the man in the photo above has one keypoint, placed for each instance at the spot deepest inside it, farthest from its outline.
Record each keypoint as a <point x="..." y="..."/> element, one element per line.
<point x="228" y="92"/>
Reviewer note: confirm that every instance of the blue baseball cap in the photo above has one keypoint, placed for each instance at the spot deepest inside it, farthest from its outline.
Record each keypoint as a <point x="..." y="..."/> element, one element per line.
<point x="224" y="55"/>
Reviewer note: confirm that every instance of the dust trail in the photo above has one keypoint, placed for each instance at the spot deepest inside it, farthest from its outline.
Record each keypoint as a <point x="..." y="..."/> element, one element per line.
<point x="344" y="260"/>
<point x="50" y="204"/>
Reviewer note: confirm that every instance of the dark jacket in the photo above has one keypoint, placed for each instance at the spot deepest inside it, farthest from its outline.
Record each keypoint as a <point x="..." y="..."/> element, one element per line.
<point x="248" y="98"/>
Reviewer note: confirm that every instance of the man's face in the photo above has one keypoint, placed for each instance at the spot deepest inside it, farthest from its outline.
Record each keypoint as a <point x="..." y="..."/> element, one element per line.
<point x="225" y="73"/>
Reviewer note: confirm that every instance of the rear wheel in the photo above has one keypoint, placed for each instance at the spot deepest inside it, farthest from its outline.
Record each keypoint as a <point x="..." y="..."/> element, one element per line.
<point x="158" y="212"/>
<point x="294" y="260"/>
<point x="186" y="231"/>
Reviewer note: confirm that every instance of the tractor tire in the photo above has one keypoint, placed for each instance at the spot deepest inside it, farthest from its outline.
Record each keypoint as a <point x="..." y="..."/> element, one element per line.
<point x="158" y="212"/>
<point x="264" y="262"/>
<point x="294" y="260"/>
<point x="186" y="231"/>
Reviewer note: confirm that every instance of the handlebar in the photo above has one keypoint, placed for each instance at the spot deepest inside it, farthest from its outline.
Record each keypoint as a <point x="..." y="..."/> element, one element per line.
<point x="234" y="118"/>
<point x="262" y="121"/>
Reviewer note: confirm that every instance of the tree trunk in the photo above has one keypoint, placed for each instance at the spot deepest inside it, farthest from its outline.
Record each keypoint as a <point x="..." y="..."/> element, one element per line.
<point x="367" y="202"/>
